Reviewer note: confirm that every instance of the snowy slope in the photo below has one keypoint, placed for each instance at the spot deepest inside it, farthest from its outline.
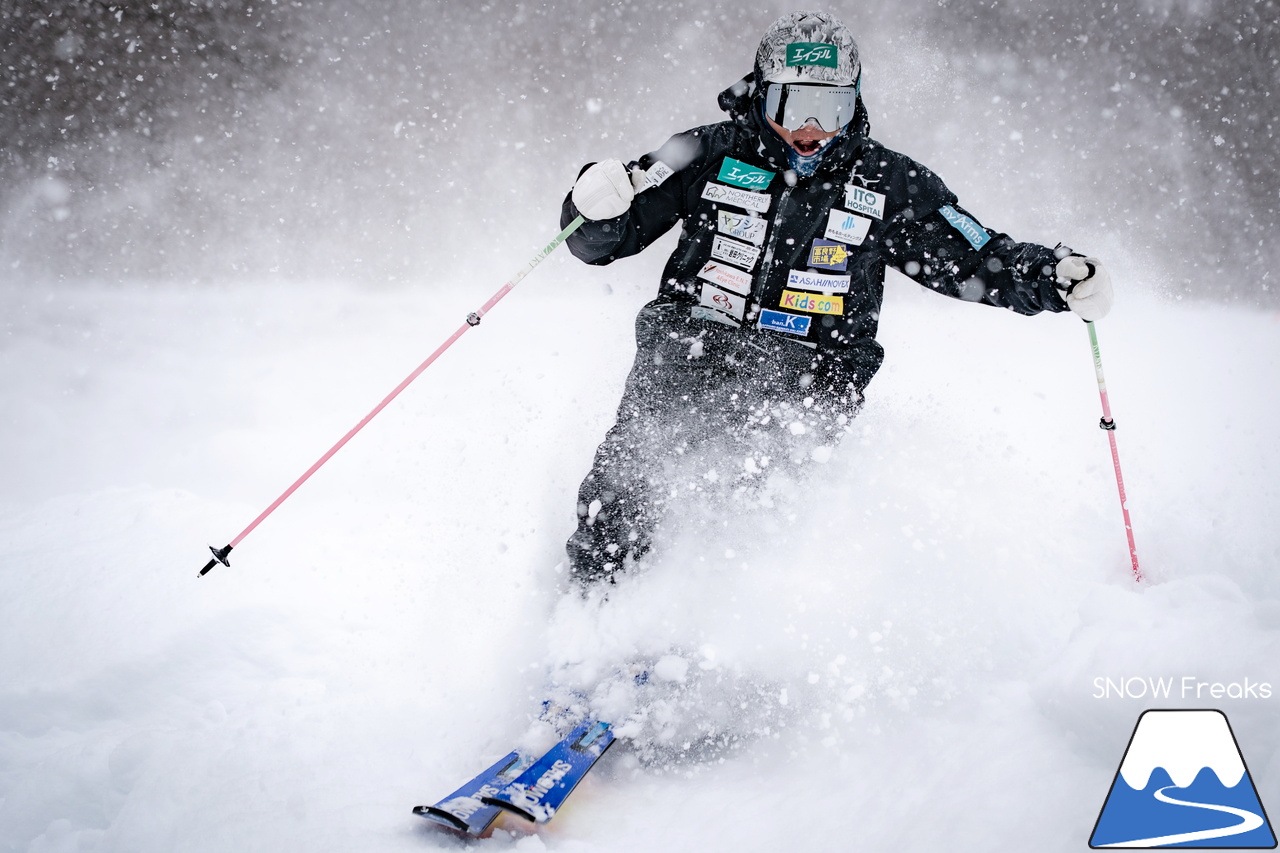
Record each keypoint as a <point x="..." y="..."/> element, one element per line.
<point x="936" y="604"/>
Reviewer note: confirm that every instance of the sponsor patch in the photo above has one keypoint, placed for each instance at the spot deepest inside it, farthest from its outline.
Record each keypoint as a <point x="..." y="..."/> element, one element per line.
<point x="968" y="228"/>
<point x="846" y="227"/>
<point x="759" y="202"/>
<point x="863" y="200"/>
<point x="813" y="303"/>
<point x="749" y="228"/>
<point x="811" y="53"/>
<point x="656" y="174"/>
<point x="828" y="255"/>
<point x="780" y="321"/>
<point x="727" y="277"/>
<point x="732" y="252"/>
<point x="741" y="175"/>
<point x="700" y="313"/>
<point x="818" y="281"/>
<point x="730" y="303"/>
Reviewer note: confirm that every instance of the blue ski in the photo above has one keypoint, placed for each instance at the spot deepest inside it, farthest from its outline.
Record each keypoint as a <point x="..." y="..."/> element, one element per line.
<point x="541" y="789"/>
<point x="464" y="810"/>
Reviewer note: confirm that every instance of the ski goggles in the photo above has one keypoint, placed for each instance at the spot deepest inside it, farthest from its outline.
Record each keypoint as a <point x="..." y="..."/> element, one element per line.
<point x="792" y="105"/>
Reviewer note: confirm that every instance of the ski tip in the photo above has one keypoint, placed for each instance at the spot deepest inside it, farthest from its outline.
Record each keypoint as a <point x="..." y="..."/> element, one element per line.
<point x="511" y="808"/>
<point x="441" y="818"/>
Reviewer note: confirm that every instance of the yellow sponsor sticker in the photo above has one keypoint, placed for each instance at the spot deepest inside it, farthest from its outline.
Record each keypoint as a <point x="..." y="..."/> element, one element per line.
<point x="826" y="254"/>
<point x="812" y="303"/>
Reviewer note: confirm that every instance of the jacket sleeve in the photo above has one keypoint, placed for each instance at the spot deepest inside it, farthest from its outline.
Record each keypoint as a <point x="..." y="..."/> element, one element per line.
<point x="939" y="244"/>
<point x="652" y="213"/>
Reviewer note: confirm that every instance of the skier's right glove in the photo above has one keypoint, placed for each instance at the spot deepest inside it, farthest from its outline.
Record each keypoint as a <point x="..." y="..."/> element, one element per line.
<point x="605" y="190"/>
<point x="1086" y="286"/>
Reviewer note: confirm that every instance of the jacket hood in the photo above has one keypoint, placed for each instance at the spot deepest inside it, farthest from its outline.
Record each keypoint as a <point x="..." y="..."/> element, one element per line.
<point x="742" y="102"/>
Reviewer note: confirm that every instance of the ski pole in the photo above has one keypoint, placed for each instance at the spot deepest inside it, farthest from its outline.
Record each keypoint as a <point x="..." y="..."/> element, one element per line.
<point x="1108" y="423"/>
<point x="473" y="319"/>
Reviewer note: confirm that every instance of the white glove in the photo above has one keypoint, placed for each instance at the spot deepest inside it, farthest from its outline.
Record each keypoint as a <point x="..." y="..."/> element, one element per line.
<point x="1090" y="295"/>
<point x="605" y="190"/>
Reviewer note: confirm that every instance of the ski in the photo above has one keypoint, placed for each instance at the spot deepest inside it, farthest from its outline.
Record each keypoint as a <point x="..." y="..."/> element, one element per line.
<point x="541" y="789"/>
<point x="463" y="810"/>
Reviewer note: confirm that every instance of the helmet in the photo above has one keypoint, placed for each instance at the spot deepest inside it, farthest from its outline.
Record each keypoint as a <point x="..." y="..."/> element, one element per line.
<point x="808" y="47"/>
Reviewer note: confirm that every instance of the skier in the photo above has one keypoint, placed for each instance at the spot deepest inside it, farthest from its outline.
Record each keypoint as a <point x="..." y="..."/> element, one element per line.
<point x="762" y="338"/>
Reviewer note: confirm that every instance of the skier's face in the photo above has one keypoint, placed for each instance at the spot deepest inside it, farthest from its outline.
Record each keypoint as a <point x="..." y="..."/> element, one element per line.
<point x="807" y="140"/>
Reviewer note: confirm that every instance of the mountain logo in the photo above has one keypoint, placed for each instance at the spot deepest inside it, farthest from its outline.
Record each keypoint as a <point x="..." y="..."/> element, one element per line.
<point x="1183" y="783"/>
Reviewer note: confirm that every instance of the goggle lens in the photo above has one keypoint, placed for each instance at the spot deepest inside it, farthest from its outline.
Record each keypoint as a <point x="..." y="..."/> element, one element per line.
<point x="792" y="105"/>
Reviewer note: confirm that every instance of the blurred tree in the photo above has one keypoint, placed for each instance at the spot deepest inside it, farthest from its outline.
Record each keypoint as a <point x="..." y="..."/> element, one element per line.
<point x="1209" y="70"/>
<point x="96" y="71"/>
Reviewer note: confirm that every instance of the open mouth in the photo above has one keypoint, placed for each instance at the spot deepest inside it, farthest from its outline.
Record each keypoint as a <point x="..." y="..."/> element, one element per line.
<point x="806" y="147"/>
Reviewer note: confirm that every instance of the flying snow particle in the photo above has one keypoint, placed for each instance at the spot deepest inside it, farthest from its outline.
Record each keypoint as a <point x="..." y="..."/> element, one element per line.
<point x="671" y="668"/>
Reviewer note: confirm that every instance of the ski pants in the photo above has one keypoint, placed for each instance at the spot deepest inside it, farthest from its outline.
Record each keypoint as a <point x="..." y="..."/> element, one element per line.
<point x="742" y="402"/>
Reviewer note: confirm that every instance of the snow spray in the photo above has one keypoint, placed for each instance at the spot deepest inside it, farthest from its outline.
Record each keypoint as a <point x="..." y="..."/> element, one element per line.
<point x="473" y="319"/>
<point x="1108" y="423"/>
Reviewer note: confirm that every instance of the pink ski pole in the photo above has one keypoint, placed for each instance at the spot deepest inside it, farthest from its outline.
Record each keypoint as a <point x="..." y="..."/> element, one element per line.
<point x="1109" y="424"/>
<point x="473" y="319"/>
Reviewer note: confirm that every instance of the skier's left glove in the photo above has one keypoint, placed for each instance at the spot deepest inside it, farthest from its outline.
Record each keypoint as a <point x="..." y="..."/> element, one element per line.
<point x="1086" y="285"/>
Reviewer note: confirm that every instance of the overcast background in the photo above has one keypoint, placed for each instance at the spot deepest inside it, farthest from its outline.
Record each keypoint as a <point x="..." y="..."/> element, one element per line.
<point x="188" y="140"/>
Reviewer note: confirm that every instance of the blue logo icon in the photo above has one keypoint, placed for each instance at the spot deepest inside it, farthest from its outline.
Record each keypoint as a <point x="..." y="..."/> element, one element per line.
<point x="1183" y="783"/>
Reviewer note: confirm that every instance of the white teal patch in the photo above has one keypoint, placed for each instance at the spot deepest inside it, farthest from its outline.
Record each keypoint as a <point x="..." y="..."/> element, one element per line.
<point x="811" y="53"/>
<point x="865" y="201"/>
<point x="742" y="175"/>
<point x="967" y="226"/>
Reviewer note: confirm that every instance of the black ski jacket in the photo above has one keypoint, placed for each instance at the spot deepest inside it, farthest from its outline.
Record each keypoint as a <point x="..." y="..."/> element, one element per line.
<point x="803" y="258"/>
